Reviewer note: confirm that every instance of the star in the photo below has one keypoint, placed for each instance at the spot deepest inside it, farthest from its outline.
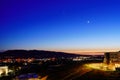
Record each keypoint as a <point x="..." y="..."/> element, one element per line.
<point x="88" y="21"/>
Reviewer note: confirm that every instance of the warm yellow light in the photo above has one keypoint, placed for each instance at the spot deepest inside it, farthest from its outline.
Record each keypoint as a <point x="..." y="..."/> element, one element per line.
<point x="100" y="66"/>
<point x="3" y="69"/>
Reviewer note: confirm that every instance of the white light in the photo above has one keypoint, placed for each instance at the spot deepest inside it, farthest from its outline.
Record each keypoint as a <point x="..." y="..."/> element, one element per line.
<point x="88" y="21"/>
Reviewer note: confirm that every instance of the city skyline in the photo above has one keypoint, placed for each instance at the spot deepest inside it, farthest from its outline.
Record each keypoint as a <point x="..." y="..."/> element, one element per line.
<point x="60" y="25"/>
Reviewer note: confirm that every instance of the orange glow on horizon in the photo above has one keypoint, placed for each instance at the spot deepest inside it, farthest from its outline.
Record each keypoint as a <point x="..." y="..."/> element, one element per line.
<point x="89" y="51"/>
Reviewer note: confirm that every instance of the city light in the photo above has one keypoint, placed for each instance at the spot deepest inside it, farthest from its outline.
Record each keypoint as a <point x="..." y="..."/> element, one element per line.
<point x="101" y="66"/>
<point x="3" y="70"/>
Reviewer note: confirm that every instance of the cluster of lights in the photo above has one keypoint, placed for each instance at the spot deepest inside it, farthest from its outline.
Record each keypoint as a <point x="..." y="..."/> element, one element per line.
<point x="101" y="66"/>
<point x="80" y="58"/>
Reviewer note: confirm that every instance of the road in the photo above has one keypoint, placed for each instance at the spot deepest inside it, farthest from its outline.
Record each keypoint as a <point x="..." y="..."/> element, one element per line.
<point x="70" y="73"/>
<point x="82" y="70"/>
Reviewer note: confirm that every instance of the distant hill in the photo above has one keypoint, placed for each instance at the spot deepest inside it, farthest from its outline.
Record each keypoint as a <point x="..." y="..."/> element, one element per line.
<point x="34" y="54"/>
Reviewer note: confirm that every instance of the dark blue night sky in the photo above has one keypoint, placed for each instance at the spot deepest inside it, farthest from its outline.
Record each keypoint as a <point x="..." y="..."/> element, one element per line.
<point x="60" y="24"/>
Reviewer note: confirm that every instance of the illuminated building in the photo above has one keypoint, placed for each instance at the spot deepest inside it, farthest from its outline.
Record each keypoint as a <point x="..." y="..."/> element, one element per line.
<point x="3" y="70"/>
<point x="112" y="59"/>
<point x="30" y="76"/>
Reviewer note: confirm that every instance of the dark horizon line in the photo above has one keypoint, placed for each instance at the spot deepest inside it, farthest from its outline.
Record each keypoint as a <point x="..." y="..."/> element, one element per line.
<point x="54" y="51"/>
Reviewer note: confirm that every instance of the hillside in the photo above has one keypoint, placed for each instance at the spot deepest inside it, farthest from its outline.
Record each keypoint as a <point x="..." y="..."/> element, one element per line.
<point x="34" y="54"/>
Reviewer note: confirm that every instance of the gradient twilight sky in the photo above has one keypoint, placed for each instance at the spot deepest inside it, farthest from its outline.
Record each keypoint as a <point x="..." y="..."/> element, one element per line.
<point x="65" y="25"/>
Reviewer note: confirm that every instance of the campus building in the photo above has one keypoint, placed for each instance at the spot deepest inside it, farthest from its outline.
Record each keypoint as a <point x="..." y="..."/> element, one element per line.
<point x="3" y="70"/>
<point x="112" y="59"/>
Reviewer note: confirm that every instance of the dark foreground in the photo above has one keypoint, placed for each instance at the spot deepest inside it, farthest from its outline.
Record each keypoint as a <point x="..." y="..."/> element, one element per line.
<point x="67" y="70"/>
<point x="80" y="72"/>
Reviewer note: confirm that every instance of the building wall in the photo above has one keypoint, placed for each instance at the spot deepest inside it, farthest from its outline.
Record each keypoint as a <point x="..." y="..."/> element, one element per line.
<point x="112" y="59"/>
